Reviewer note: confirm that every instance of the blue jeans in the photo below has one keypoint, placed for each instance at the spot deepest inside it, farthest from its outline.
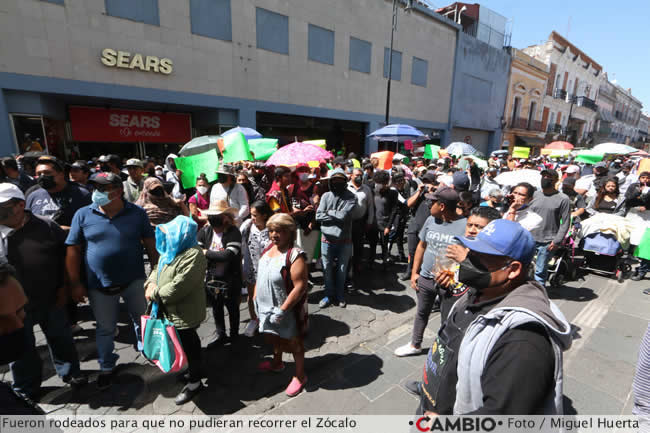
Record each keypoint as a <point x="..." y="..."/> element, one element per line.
<point x="106" y="309"/>
<point x="335" y="264"/>
<point x="541" y="264"/>
<point x="27" y="370"/>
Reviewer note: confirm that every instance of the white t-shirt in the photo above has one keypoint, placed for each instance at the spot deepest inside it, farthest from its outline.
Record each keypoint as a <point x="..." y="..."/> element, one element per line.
<point x="238" y="199"/>
<point x="528" y="220"/>
<point x="219" y="269"/>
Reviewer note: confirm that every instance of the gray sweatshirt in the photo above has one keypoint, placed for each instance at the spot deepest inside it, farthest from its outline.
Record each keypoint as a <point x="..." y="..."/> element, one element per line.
<point x="555" y="210"/>
<point x="335" y="215"/>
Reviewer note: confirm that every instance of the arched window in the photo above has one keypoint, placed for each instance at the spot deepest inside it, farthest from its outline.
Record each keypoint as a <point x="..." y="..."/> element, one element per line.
<point x="516" y="109"/>
<point x="532" y="114"/>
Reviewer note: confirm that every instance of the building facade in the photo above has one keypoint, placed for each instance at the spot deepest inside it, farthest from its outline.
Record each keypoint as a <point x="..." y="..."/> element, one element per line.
<point x="523" y="116"/>
<point x="289" y="68"/>
<point x="606" y="101"/>
<point x="480" y="82"/>
<point x="569" y="110"/>
<point x="627" y="112"/>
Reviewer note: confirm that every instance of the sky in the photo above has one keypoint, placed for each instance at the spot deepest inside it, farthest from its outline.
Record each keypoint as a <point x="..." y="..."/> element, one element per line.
<point x="614" y="34"/>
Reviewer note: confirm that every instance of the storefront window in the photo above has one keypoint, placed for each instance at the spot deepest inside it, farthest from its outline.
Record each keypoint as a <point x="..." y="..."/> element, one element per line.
<point x="29" y="133"/>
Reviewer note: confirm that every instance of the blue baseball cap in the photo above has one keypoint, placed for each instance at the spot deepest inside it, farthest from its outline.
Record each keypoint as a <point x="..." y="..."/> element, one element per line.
<point x="503" y="238"/>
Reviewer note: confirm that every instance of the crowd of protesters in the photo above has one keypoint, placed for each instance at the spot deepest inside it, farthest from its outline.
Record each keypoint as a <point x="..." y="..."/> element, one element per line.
<point x="258" y="233"/>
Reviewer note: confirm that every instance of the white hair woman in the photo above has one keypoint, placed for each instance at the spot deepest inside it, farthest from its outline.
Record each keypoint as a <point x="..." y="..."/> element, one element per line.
<point x="281" y="299"/>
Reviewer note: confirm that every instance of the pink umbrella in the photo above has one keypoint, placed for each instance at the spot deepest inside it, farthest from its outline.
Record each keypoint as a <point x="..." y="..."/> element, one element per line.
<point x="298" y="153"/>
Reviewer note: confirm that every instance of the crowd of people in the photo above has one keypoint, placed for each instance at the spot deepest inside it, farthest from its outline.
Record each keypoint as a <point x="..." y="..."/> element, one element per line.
<point x="466" y="243"/>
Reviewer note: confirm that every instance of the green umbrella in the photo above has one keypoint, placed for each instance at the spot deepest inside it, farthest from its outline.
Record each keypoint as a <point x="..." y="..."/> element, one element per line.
<point x="589" y="156"/>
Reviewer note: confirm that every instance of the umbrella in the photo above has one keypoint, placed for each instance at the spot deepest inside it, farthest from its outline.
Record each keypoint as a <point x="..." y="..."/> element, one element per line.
<point x="298" y="153"/>
<point x="512" y="178"/>
<point x="589" y="156"/>
<point x="399" y="133"/>
<point x="555" y="152"/>
<point x="199" y="145"/>
<point x="559" y="145"/>
<point x="248" y="132"/>
<point x="478" y="161"/>
<point x="461" y="148"/>
<point x="614" y="148"/>
<point x="640" y="153"/>
<point x="501" y="152"/>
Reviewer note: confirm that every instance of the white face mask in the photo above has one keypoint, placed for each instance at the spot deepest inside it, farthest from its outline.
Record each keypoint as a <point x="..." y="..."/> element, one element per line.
<point x="202" y="189"/>
<point x="159" y="172"/>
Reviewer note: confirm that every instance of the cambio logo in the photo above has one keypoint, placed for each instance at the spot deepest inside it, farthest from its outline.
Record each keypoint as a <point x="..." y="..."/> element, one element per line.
<point x="460" y="424"/>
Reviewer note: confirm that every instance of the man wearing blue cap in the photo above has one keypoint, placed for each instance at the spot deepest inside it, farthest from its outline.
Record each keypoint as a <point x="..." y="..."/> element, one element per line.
<point x="500" y="349"/>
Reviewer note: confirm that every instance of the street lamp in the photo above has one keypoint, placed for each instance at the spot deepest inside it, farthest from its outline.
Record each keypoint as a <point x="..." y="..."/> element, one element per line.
<point x="393" y="27"/>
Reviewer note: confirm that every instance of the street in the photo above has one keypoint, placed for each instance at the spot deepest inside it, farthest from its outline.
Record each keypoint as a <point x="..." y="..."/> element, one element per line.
<point x="350" y="361"/>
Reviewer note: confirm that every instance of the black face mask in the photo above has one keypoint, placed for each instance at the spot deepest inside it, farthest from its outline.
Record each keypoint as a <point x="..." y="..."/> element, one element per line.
<point x="216" y="221"/>
<point x="151" y="172"/>
<point x="547" y="182"/>
<point x="104" y="168"/>
<point x="157" y="192"/>
<point x="6" y="213"/>
<point x="474" y="277"/>
<point x="358" y="181"/>
<point x="569" y="191"/>
<point x="46" y="182"/>
<point x="337" y="187"/>
<point x="13" y="346"/>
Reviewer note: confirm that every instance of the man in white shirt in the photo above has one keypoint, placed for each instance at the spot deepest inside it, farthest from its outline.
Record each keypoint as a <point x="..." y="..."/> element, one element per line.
<point x="363" y="215"/>
<point x="229" y="190"/>
<point x="626" y="177"/>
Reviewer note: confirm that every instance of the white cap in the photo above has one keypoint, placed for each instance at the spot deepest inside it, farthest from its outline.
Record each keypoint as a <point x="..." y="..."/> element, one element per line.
<point x="572" y="169"/>
<point x="9" y="191"/>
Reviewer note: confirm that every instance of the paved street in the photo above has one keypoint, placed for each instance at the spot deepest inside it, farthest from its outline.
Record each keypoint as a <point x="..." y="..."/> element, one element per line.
<point x="350" y="363"/>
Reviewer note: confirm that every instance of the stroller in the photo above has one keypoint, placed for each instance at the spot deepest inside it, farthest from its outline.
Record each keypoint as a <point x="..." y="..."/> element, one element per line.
<point x="564" y="265"/>
<point x="602" y="249"/>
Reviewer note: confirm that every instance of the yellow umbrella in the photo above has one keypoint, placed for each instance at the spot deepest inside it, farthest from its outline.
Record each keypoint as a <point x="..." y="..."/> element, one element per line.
<point x="320" y="143"/>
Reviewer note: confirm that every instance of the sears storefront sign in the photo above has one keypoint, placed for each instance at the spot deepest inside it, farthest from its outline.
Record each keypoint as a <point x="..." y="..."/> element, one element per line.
<point x="128" y="126"/>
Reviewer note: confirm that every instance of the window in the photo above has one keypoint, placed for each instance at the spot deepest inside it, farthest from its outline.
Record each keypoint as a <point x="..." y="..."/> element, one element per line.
<point x="59" y="2"/>
<point x="419" y="72"/>
<point x="557" y="82"/>
<point x="320" y="45"/>
<point x="211" y="18"/>
<point x="396" y="73"/>
<point x="551" y="119"/>
<point x="532" y="114"/>
<point x="515" y="110"/>
<point x="145" y="11"/>
<point x="272" y="31"/>
<point x="360" y="55"/>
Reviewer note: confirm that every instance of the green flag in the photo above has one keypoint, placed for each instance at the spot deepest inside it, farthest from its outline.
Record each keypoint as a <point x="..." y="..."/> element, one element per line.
<point x="263" y="148"/>
<point x="236" y="148"/>
<point x="431" y="151"/>
<point x="193" y="166"/>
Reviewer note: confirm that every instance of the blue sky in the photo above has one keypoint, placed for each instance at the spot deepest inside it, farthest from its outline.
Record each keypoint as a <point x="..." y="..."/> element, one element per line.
<point x="614" y="34"/>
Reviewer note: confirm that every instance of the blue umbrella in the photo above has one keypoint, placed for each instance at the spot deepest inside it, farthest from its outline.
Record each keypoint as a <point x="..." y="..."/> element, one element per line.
<point x="248" y="132"/>
<point x="461" y="148"/>
<point x="398" y="133"/>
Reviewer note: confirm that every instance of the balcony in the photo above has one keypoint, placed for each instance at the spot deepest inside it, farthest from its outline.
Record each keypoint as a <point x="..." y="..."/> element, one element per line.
<point x="583" y="101"/>
<point x="559" y="94"/>
<point x="519" y="123"/>
<point x="535" y="125"/>
<point x="555" y="128"/>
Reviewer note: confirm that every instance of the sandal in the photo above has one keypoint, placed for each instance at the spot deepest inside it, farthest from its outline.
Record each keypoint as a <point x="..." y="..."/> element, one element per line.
<point x="267" y="366"/>
<point x="295" y="387"/>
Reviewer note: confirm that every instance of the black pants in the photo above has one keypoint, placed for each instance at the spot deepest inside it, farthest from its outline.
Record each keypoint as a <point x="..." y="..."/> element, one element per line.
<point x="427" y="293"/>
<point x="377" y="234"/>
<point x="232" y="304"/>
<point x="192" y="348"/>
<point x="358" y="231"/>
<point x="413" y="241"/>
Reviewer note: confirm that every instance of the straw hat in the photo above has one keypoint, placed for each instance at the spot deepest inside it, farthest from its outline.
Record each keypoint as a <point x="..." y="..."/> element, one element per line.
<point x="219" y="207"/>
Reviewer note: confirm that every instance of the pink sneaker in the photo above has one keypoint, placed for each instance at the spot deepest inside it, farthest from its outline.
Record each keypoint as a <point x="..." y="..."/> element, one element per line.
<point x="295" y="387"/>
<point x="267" y="366"/>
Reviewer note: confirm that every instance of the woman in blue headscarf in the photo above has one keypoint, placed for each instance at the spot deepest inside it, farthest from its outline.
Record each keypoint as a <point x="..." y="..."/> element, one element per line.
<point x="177" y="283"/>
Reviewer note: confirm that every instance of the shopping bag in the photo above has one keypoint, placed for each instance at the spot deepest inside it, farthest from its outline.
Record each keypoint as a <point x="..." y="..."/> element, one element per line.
<point x="160" y="342"/>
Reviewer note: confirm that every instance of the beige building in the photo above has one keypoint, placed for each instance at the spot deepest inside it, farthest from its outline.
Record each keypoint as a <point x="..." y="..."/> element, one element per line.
<point x="290" y="68"/>
<point x="524" y="114"/>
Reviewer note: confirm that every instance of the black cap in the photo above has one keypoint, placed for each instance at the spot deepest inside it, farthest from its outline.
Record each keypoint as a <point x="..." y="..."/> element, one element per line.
<point x="105" y="178"/>
<point x="48" y="159"/>
<point x="551" y="173"/>
<point x="429" y="176"/>
<point x="461" y="181"/>
<point x="569" y="181"/>
<point x="444" y="194"/>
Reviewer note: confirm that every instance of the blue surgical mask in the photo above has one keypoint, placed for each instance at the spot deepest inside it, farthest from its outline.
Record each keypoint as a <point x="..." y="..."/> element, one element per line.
<point x="100" y="198"/>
